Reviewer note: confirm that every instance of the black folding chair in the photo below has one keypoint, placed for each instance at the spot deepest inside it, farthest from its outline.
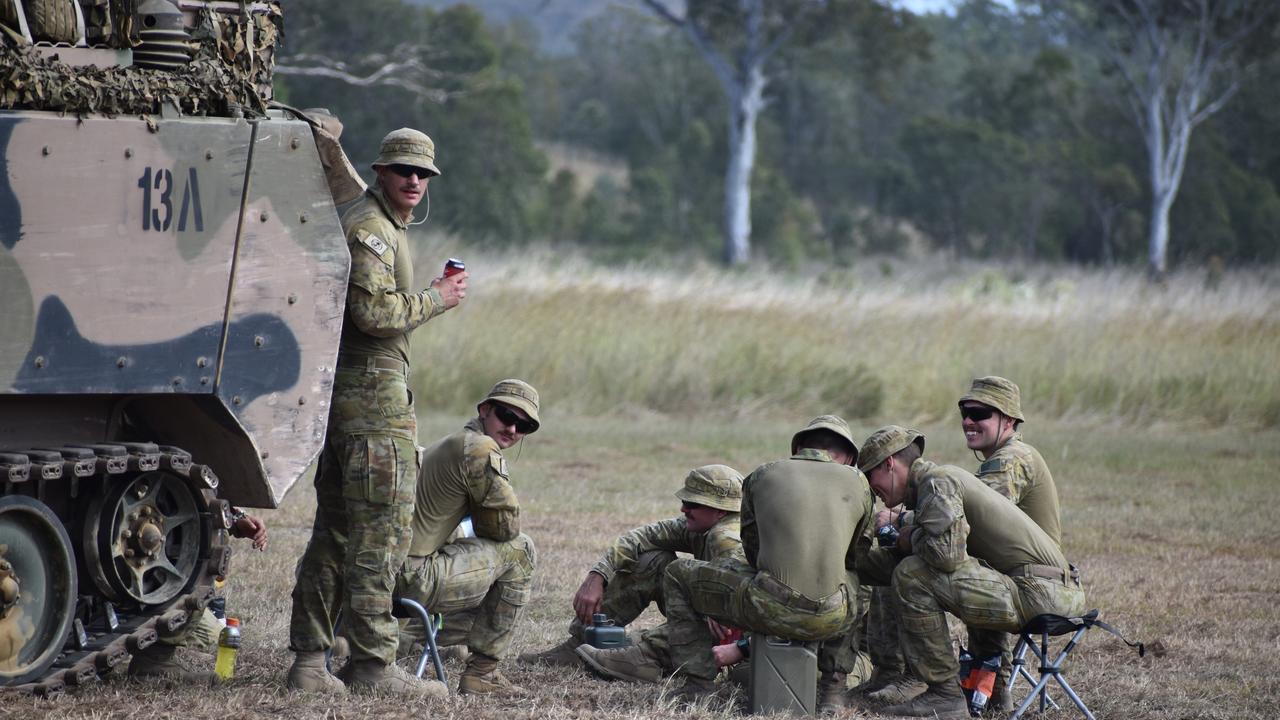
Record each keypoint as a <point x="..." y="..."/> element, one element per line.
<point x="1046" y="626"/>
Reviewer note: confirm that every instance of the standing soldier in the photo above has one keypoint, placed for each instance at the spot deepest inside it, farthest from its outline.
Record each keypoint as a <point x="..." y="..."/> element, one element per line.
<point x="966" y="550"/>
<point x="480" y="583"/>
<point x="367" y="472"/>
<point x="629" y="576"/>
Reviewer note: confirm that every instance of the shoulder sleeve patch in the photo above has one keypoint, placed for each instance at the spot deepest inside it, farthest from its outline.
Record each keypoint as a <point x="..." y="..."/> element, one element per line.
<point x="498" y="463"/>
<point x="994" y="465"/>
<point x="374" y="243"/>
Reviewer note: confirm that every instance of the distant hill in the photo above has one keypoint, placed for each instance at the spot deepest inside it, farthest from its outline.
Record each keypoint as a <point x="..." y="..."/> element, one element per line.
<point x="555" y="20"/>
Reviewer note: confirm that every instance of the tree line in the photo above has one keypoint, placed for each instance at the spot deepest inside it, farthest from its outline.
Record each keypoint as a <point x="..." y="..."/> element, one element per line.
<point x="1052" y="130"/>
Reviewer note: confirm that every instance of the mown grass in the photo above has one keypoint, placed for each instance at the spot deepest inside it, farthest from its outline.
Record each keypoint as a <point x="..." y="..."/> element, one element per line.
<point x="1156" y="408"/>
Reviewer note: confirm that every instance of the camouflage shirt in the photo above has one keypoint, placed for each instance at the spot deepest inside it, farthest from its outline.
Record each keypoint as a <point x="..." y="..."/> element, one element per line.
<point x="721" y="540"/>
<point x="957" y="516"/>
<point x="1017" y="471"/>
<point x="381" y="308"/>
<point x="805" y="520"/>
<point x="463" y="474"/>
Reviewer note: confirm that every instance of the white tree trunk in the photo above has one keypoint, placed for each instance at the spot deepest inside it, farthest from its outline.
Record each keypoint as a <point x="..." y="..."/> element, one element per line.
<point x="744" y="107"/>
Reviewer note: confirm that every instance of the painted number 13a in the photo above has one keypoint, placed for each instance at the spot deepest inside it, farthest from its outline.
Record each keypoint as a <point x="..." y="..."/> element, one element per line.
<point x="157" y="200"/>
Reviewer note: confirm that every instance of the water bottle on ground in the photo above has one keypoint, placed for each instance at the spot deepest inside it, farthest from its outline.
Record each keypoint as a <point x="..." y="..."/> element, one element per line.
<point x="228" y="645"/>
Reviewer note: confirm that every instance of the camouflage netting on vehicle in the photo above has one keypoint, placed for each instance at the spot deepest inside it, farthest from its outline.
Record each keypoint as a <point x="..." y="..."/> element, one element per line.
<point x="230" y="72"/>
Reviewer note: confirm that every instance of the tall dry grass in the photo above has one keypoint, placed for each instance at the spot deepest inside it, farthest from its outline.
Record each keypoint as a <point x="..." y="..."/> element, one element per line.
<point x="886" y="338"/>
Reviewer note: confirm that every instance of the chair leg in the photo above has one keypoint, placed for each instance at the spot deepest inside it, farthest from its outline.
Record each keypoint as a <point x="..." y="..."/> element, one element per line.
<point x="431" y="651"/>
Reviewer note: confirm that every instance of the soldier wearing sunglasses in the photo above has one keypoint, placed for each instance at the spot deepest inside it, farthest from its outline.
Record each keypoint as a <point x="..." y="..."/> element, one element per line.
<point x="480" y="583"/>
<point x="990" y="414"/>
<point x="368" y="469"/>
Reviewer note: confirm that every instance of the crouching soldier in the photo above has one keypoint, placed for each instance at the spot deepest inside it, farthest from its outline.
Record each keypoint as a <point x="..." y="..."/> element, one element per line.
<point x="629" y="576"/>
<point x="480" y="583"/>
<point x="967" y="550"/>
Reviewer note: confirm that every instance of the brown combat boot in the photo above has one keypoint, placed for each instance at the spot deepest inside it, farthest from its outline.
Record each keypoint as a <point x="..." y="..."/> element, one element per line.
<point x="561" y="655"/>
<point x="899" y="689"/>
<point x="309" y="674"/>
<point x="371" y="676"/>
<point x="633" y="663"/>
<point x="481" y="677"/>
<point x="157" y="661"/>
<point x="832" y="693"/>
<point x="695" y="691"/>
<point x="944" y="701"/>
<point x="879" y="678"/>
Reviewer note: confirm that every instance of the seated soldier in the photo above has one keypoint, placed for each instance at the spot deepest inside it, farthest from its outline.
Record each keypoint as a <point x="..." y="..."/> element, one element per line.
<point x="629" y="576"/>
<point x="803" y="518"/>
<point x="967" y="550"/>
<point x="481" y="582"/>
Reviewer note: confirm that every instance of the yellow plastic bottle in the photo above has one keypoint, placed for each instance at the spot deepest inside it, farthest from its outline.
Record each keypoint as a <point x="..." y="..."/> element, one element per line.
<point x="228" y="644"/>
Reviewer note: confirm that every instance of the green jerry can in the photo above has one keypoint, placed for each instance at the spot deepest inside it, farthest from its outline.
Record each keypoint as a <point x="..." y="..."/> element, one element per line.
<point x="784" y="676"/>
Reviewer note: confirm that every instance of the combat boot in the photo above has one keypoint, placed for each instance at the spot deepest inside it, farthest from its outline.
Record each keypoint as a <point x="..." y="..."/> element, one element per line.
<point x="695" y="691"/>
<point x="309" y="674"/>
<point x="633" y="663"/>
<point x="561" y="655"/>
<point x="944" y="701"/>
<point x="897" y="690"/>
<point x="832" y="693"/>
<point x="370" y="676"/>
<point x="157" y="661"/>
<point x="879" y="678"/>
<point x="481" y="677"/>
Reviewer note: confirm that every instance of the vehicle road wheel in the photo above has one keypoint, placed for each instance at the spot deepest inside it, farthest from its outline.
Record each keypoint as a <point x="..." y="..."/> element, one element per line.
<point x="37" y="588"/>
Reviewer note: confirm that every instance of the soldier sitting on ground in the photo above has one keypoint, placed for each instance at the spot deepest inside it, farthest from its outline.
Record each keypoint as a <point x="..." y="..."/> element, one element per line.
<point x="629" y="576"/>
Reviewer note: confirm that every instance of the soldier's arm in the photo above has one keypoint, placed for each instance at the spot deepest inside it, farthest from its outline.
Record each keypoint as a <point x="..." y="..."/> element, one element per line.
<point x="495" y="511"/>
<point x="750" y="533"/>
<point x="941" y="532"/>
<point x="1004" y="475"/>
<point x="622" y="554"/>
<point x="376" y="307"/>
<point x="724" y="541"/>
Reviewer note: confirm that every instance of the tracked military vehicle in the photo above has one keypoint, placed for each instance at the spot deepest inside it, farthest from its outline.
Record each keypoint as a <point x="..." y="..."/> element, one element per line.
<point x="172" y="280"/>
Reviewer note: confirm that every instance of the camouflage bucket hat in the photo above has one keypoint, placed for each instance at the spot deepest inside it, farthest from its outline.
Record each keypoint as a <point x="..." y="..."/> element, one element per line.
<point x="996" y="392"/>
<point x="717" y="486"/>
<point x="407" y="146"/>
<point x="885" y="442"/>
<point x="517" y="394"/>
<point x="835" y="424"/>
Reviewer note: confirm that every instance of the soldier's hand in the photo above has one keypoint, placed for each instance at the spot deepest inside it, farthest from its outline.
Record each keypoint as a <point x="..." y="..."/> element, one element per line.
<point x="590" y="595"/>
<point x="253" y="529"/>
<point x="729" y="654"/>
<point x="904" y="540"/>
<point x="718" y="631"/>
<point x="452" y="289"/>
<point x="885" y="517"/>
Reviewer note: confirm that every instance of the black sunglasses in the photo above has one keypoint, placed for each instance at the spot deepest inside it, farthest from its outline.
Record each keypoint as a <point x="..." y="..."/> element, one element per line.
<point x="405" y="171"/>
<point x="976" y="414"/>
<point x="507" y="417"/>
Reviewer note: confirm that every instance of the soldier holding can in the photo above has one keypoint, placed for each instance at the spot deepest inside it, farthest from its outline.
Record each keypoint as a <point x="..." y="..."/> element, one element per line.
<point x="368" y="469"/>
<point x="628" y="578"/>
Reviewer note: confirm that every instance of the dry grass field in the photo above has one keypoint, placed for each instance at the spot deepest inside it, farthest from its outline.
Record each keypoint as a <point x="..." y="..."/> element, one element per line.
<point x="1157" y="409"/>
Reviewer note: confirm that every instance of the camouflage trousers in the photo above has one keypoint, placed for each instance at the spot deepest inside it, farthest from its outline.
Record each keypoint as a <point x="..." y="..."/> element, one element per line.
<point x="883" y="642"/>
<point x="365" y="485"/>
<point x="991" y="604"/>
<point x="736" y="594"/>
<point x="200" y="631"/>
<point x="628" y="594"/>
<point x="479" y="585"/>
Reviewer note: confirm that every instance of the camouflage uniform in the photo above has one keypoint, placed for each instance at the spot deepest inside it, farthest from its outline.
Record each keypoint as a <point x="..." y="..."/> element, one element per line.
<point x="979" y="557"/>
<point x="804" y="522"/>
<point x="635" y="564"/>
<point x="481" y="582"/>
<point x="368" y="469"/>
<point x="1015" y="469"/>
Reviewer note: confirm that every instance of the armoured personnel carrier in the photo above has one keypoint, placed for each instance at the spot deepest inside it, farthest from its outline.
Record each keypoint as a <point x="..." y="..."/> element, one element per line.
<point x="172" y="280"/>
